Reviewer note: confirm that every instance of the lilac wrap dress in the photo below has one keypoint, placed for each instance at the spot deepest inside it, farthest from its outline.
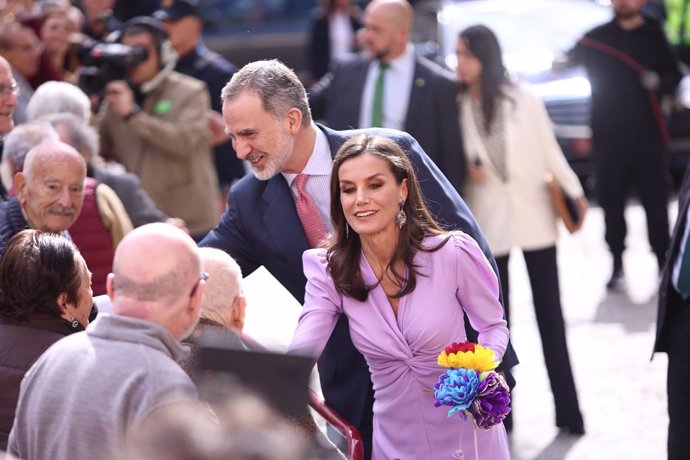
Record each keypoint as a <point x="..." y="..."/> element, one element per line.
<point x="402" y="351"/>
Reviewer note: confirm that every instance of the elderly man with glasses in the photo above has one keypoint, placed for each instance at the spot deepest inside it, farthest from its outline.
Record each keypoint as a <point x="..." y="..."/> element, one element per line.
<point x="20" y="47"/>
<point x="9" y="89"/>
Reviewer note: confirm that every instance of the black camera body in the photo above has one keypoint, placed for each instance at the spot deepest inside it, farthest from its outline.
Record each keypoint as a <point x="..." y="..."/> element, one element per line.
<point x="105" y="62"/>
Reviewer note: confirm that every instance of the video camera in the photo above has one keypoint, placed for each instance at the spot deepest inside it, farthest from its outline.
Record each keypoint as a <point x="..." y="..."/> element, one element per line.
<point x="105" y="62"/>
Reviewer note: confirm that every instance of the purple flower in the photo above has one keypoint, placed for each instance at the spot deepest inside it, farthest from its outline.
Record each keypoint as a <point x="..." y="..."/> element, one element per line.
<point x="490" y="407"/>
<point x="456" y="388"/>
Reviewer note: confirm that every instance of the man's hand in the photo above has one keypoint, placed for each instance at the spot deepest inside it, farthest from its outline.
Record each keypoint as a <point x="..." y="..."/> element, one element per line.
<point x="650" y="80"/>
<point x="177" y="222"/>
<point x="217" y="127"/>
<point x="582" y="206"/>
<point x="476" y="171"/>
<point x="120" y="97"/>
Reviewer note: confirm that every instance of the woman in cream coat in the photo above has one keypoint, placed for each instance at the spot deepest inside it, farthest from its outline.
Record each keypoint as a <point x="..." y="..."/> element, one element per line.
<point x="510" y="147"/>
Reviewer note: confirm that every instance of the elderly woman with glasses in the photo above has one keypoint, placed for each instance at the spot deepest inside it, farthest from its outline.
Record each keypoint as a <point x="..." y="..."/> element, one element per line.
<point x="45" y="294"/>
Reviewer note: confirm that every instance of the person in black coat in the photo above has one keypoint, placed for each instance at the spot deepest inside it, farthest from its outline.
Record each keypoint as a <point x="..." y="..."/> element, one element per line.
<point x="333" y="34"/>
<point x="419" y="96"/>
<point x="673" y="328"/>
<point x="182" y="21"/>
<point x="631" y="68"/>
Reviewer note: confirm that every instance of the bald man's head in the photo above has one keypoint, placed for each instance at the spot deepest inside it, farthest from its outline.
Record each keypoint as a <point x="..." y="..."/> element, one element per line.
<point x="8" y="96"/>
<point x="50" y="189"/>
<point x="387" y="28"/>
<point x="224" y="302"/>
<point x="156" y="276"/>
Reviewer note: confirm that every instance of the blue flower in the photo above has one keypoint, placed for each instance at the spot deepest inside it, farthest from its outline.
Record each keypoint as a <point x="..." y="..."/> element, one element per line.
<point x="456" y="388"/>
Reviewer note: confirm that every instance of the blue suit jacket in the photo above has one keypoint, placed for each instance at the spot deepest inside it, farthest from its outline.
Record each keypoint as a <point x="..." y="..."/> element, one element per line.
<point x="432" y="113"/>
<point x="261" y="227"/>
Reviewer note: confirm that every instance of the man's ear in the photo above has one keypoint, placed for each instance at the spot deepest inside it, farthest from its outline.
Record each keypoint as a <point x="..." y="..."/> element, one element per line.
<point x="238" y="311"/>
<point x="196" y="300"/>
<point x="294" y="119"/>
<point x="19" y="182"/>
<point x="110" y="286"/>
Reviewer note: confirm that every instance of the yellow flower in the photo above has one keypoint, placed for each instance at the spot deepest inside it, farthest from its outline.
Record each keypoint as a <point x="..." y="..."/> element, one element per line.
<point x="481" y="359"/>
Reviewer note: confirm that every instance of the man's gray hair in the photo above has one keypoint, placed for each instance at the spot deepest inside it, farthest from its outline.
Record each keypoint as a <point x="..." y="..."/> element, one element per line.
<point x="59" y="97"/>
<point x="223" y="285"/>
<point x="23" y="138"/>
<point x="276" y="85"/>
<point x="81" y="135"/>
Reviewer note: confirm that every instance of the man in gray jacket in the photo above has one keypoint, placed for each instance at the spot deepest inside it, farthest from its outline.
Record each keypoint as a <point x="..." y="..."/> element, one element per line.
<point x="83" y="396"/>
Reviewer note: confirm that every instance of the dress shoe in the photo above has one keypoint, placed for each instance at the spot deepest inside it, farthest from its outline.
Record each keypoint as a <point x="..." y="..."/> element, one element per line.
<point x="572" y="430"/>
<point x="617" y="281"/>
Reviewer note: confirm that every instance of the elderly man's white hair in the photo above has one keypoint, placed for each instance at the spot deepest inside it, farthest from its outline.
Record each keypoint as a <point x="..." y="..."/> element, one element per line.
<point x="59" y="97"/>
<point x="17" y="144"/>
<point x="76" y="133"/>
<point x="223" y="302"/>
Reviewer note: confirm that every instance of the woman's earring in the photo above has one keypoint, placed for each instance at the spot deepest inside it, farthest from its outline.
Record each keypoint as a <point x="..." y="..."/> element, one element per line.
<point x="74" y="325"/>
<point x="347" y="231"/>
<point x="401" y="218"/>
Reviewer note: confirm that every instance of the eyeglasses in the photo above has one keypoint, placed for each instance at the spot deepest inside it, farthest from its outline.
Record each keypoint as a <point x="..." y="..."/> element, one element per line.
<point x="203" y="277"/>
<point x="12" y="88"/>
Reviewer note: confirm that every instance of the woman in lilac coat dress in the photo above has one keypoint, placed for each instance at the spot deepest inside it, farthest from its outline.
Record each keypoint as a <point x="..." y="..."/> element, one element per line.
<point x="405" y="286"/>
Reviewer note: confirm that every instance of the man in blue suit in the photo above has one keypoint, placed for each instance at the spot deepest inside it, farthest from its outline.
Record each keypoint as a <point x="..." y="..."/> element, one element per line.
<point x="418" y="96"/>
<point x="267" y="116"/>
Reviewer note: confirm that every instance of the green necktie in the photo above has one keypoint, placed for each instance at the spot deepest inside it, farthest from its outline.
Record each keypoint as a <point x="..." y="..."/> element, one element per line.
<point x="377" y="106"/>
<point x="684" y="273"/>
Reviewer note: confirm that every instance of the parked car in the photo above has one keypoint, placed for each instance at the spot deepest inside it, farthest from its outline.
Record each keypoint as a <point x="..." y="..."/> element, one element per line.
<point x="533" y="33"/>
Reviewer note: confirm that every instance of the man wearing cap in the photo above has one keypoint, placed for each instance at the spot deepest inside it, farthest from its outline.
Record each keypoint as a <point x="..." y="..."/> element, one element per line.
<point x="156" y="125"/>
<point x="181" y="19"/>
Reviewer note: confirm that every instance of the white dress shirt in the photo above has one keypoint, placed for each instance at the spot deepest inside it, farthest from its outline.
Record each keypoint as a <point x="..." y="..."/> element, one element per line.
<point x="396" y="95"/>
<point x="341" y="35"/>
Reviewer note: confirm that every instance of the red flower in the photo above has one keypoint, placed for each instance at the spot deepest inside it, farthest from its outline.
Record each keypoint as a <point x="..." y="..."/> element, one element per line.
<point x="459" y="346"/>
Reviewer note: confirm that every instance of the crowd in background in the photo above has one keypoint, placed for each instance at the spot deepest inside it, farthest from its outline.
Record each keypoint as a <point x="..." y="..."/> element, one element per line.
<point x="125" y="139"/>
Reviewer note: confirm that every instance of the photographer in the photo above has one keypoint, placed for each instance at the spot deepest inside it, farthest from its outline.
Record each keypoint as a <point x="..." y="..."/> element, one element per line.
<point x="155" y="124"/>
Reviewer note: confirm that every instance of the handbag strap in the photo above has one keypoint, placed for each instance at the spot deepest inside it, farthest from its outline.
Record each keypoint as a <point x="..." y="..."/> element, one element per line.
<point x="639" y="69"/>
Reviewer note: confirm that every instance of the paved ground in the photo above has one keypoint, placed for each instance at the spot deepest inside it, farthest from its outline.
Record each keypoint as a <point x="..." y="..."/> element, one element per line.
<point x="610" y="335"/>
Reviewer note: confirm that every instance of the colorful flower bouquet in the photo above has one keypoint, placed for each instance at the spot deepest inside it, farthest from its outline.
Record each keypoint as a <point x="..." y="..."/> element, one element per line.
<point x="470" y="386"/>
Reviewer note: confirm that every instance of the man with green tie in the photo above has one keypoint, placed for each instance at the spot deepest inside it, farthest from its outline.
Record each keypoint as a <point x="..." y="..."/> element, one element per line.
<point x="390" y="86"/>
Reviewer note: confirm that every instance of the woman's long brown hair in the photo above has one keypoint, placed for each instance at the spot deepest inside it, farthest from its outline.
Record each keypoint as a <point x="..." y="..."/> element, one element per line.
<point x="345" y="250"/>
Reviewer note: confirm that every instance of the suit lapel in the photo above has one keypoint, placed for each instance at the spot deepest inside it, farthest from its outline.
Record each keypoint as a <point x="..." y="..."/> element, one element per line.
<point x="335" y="138"/>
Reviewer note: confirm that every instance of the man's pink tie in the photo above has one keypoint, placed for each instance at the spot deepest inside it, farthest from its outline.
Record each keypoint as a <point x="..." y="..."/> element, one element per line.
<point x="308" y="213"/>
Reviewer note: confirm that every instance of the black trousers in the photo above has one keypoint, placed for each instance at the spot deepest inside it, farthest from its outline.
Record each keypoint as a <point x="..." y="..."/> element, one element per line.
<point x="678" y="381"/>
<point x="621" y="165"/>
<point x="543" y="277"/>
